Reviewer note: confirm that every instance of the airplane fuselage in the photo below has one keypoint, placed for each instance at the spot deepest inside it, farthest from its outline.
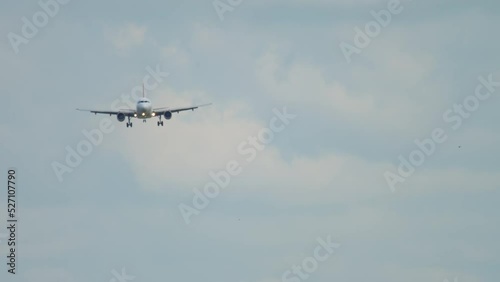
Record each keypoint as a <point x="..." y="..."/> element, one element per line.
<point x="144" y="109"/>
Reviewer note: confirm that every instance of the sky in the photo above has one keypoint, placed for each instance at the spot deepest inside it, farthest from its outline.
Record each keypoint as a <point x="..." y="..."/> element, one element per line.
<point x="346" y="140"/>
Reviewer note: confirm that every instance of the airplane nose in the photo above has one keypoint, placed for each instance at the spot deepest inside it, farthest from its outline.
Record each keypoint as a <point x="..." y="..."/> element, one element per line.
<point x="143" y="110"/>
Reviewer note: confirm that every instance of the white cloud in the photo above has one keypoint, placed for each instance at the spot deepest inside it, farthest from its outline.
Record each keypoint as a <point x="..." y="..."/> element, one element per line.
<point x="393" y="106"/>
<point x="205" y="37"/>
<point x="176" y="55"/>
<point x="47" y="274"/>
<point x="292" y="197"/>
<point x="324" y="3"/>
<point x="126" y="37"/>
<point x="181" y="154"/>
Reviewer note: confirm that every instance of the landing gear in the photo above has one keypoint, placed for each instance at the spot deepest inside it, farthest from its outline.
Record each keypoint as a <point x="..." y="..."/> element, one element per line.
<point x="160" y="122"/>
<point x="129" y="123"/>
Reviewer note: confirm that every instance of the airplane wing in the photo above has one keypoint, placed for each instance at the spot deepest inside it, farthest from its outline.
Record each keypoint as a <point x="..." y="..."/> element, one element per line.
<point x="126" y="112"/>
<point x="161" y="111"/>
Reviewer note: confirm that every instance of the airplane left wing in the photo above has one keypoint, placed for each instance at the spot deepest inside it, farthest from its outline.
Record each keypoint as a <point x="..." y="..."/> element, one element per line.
<point x="162" y="111"/>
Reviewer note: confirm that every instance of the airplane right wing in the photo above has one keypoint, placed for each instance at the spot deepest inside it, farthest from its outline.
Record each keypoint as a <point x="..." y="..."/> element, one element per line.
<point x="126" y="112"/>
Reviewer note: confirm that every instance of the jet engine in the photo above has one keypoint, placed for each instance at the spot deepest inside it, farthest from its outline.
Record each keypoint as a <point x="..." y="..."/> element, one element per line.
<point x="168" y="115"/>
<point x="120" y="117"/>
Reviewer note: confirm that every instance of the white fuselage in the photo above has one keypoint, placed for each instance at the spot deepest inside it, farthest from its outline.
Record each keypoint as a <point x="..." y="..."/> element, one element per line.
<point x="144" y="109"/>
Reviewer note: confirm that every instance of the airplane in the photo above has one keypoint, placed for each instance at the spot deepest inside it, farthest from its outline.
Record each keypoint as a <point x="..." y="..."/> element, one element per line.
<point x="144" y="111"/>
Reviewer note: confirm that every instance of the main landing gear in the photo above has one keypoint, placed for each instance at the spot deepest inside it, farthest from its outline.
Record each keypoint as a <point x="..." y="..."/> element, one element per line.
<point x="160" y="122"/>
<point x="129" y="123"/>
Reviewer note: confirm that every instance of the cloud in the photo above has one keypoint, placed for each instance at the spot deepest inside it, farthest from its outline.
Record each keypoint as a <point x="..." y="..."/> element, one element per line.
<point x="176" y="55"/>
<point x="205" y="37"/>
<point x="128" y="189"/>
<point x="126" y="37"/>
<point x="359" y="101"/>
<point x="48" y="274"/>
<point x="195" y="143"/>
<point x="323" y="3"/>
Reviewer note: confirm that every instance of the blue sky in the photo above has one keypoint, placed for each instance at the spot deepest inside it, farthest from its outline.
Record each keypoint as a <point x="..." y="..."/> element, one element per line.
<point x="323" y="175"/>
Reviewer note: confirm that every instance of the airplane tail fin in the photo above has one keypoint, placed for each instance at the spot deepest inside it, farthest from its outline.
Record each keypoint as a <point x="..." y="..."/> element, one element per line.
<point x="143" y="94"/>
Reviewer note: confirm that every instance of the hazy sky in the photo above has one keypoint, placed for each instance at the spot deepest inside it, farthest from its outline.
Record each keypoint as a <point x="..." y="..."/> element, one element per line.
<point x="324" y="174"/>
